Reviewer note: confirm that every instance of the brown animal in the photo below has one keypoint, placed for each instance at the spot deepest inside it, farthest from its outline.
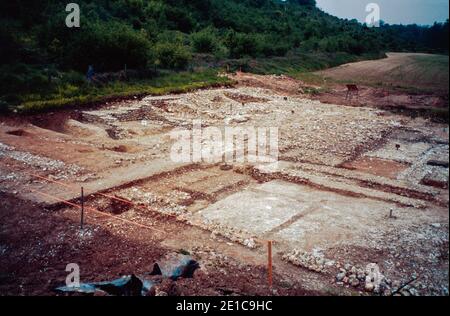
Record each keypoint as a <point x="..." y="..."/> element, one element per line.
<point x="352" y="89"/>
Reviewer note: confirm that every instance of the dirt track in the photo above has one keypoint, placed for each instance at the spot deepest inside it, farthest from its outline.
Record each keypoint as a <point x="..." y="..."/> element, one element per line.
<point x="326" y="204"/>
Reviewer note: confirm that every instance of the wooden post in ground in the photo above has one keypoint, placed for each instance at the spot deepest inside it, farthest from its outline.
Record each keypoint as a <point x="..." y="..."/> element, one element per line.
<point x="269" y="263"/>
<point x="82" y="208"/>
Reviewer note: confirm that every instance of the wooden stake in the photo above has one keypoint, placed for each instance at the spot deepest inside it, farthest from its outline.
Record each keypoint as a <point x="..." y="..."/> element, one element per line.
<point x="269" y="263"/>
<point x="391" y="213"/>
<point x="82" y="208"/>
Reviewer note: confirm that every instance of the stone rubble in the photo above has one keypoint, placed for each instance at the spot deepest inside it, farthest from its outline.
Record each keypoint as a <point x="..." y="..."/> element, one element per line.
<point x="363" y="279"/>
<point x="57" y="168"/>
<point x="314" y="261"/>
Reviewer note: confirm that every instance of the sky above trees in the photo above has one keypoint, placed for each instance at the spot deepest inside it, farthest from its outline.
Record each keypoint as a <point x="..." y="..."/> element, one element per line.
<point x="423" y="12"/>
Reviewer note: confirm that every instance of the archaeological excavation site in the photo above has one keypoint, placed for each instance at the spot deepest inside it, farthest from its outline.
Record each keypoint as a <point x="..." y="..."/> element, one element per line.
<point x="356" y="202"/>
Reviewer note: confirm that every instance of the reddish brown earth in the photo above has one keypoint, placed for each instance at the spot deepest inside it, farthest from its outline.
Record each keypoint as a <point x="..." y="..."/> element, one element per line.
<point x="379" y="167"/>
<point x="41" y="242"/>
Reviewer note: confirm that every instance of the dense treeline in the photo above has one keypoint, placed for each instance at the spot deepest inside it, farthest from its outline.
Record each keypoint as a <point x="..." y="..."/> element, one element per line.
<point x="166" y="34"/>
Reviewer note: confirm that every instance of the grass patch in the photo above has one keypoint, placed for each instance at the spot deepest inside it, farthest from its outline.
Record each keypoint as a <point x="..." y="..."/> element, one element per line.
<point x="310" y="78"/>
<point x="296" y="64"/>
<point x="67" y="95"/>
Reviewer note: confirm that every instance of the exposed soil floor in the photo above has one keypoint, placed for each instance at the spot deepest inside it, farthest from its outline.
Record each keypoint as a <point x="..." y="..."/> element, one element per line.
<point x="354" y="185"/>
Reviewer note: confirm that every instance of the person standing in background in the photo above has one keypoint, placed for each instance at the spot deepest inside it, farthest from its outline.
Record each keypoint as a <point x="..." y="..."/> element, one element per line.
<point x="90" y="73"/>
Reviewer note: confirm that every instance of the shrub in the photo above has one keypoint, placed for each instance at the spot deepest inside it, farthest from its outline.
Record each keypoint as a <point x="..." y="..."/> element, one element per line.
<point x="109" y="46"/>
<point x="172" y="55"/>
<point x="18" y="78"/>
<point x="10" y="48"/>
<point x="204" y="41"/>
<point x="271" y="46"/>
<point x="241" y="45"/>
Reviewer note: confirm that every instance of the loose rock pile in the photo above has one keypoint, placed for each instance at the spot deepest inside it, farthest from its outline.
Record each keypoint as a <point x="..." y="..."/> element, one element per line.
<point x="371" y="280"/>
<point x="314" y="261"/>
